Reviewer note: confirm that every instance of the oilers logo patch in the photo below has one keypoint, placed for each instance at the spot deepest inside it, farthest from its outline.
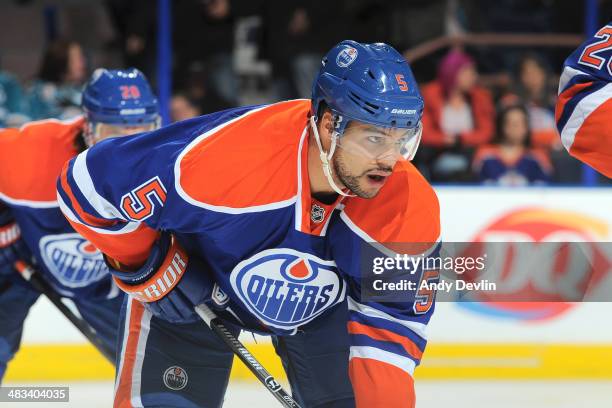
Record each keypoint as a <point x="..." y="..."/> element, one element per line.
<point x="72" y="260"/>
<point x="175" y="378"/>
<point x="346" y="57"/>
<point x="285" y="288"/>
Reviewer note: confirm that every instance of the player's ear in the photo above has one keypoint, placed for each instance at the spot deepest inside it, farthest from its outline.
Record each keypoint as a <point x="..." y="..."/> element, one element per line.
<point x="326" y="127"/>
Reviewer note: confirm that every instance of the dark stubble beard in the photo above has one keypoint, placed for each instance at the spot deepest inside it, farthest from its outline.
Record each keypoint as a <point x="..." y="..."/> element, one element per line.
<point x="351" y="182"/>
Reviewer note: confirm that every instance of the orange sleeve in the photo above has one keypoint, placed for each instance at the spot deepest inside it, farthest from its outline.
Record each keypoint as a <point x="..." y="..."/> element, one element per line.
<point x="591" y="141"/>
<point x="380" y="385"/>
<point x="129" y="243"/>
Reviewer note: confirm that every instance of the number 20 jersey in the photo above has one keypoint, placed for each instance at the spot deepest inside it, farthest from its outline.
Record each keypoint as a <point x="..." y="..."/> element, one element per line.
<point x="584" y="106"/>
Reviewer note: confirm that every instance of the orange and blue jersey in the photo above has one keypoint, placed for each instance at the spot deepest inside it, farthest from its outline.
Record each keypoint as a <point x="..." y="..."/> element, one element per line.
<point x="31" y="159"/>
<point x="233" y="188"/>
<point x="584" y="106"/>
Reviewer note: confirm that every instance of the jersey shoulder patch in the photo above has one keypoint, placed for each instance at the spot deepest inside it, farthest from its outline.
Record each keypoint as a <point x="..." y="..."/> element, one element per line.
<point x="248" y="162"/>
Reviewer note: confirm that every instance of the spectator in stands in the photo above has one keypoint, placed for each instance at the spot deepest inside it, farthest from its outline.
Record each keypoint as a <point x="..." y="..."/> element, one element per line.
<point x="56" y="93"/>
<point x="135" y="24"/>
<point x="203" y="37"/>
<point x="510" y="160"/>
<point x="296" y="34"/>
<point x="458" y="117"/>
<point x="183" y="107"/>
<point x="12" y="102"/>
<point x="536" y="91"/>
<point x="195" y="85"/>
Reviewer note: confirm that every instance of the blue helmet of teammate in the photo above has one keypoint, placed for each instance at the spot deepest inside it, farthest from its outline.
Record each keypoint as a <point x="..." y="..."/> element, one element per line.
<point x="371" y="83"/>
<point x="119" y="97"/>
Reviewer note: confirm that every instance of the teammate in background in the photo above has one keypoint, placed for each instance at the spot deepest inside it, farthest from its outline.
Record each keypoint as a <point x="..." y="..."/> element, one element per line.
<point x="584" y="107"/>
<point x="32" y="228"/>
<point x="263" y="213"/>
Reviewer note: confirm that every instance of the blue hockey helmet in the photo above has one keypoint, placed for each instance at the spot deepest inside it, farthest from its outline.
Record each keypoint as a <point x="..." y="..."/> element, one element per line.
<point x="122" y="97"/>
<point x="371" y="83"/>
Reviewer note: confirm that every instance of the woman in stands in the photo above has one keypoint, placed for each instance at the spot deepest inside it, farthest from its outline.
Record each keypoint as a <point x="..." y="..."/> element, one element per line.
<point x="510" y="160"/>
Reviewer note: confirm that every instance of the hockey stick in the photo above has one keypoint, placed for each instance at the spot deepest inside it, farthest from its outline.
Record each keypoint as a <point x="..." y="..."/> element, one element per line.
<point x="245" y="356"/>
<point x="35" y="279"/>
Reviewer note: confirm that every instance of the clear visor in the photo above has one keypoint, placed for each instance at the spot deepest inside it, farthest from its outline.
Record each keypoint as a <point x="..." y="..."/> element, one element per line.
<point x="101" y="131"/>
<point x="377" y="142"/>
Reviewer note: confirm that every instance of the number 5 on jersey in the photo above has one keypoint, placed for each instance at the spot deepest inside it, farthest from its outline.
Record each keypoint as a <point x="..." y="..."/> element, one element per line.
<point x="424" y="297"/>
<point x="139" y="204"/>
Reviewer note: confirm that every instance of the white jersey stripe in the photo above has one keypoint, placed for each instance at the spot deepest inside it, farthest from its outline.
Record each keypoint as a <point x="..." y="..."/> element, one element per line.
<point x="145" y="327"/>
<point x="403" y="363"/>
<point x="417" y="328"/>
<point x="67" y="211"/>
<point x="298" y="201"/>
<point x="58" y="121"/>
<point x="581" y="112"/>
<point x="28" y="203"/>
<point x="566" y="76"/>
<point x="379" y="246"/>
<point x="126" y="332"/>
<point x="83" y="180"/>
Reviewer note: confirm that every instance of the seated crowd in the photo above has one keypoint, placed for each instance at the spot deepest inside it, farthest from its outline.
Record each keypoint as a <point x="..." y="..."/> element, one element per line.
<point x="469" y="135"/>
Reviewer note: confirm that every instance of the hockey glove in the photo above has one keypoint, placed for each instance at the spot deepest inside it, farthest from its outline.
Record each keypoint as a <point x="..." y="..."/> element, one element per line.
<point x="12" y="247"/>
<point x="170" y="283"/>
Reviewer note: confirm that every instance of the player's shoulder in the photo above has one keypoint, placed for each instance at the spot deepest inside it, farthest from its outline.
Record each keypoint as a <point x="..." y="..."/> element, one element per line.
<point x="233" y="159"/>
<point x="587" y="62"/>
<point x="32" y="156"/>
<point x="405" y="210"/>
<point x="44" y="134"/>
<point x="248" y="161"/>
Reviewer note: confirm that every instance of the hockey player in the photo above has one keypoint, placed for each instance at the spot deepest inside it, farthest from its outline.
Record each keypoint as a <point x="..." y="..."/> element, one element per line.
<point x="32" y="228"/>
<point x="584" y="107"/>
<point x="262" y="213"/>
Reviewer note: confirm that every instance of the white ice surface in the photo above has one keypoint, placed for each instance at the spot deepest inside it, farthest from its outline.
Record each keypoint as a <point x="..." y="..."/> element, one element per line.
<point x="430" y="394"/>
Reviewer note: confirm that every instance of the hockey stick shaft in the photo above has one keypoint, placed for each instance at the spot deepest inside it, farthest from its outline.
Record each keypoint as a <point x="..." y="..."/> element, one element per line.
<point x="32" y="276"/>
<point x="245" y="356"/>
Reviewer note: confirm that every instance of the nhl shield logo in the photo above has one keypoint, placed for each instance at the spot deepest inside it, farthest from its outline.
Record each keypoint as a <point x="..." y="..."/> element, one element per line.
<point x="72" y="260"/>
<point x="175" y="378"/>
<point x="285" y="288"/>
<point x="317" y="213"/>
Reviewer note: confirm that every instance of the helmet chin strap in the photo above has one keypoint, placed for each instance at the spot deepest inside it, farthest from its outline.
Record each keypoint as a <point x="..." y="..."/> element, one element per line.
<point x="325" y="158"/>
<point x="89" y="134"/>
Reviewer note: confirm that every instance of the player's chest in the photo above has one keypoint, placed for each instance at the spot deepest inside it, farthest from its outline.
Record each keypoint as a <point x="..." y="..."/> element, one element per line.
<point x="283" y="276"/>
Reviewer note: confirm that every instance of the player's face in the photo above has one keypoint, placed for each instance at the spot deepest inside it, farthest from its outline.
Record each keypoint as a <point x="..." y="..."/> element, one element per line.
<point x="104" y="130"/>
<point x="366" y="156"/>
